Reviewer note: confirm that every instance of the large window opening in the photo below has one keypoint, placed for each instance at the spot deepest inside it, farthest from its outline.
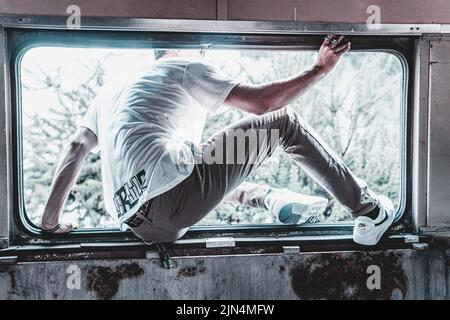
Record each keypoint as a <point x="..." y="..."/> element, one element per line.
<point x="358" y="109"/>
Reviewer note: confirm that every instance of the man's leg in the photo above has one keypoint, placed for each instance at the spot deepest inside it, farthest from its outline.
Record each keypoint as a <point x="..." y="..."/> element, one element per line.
<point x="191" y="200"/>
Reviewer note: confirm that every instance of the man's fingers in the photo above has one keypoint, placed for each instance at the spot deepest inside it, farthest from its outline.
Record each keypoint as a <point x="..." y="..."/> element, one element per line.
<point x="329" y="38"/>
<point x="332" y="36"/>
<point x="340" y="38"/>
<point x="333" y="40"/>
<point x="344" y="50"/>
<point x="343" y="47"/>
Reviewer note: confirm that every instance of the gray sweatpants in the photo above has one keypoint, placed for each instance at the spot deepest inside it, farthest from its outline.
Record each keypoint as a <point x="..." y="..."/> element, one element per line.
<point x="238" y="150"/>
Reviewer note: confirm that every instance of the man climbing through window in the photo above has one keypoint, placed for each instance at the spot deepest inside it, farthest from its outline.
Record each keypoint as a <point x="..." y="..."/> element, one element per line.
<point x="158" y="179"/>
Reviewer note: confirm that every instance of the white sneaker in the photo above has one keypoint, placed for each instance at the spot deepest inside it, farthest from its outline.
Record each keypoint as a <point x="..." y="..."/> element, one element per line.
<point x="295" y="208"/>
<point x="368" y="231"/>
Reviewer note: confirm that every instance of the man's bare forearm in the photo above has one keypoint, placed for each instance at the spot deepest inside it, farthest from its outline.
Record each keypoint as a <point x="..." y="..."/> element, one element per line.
<point x="259" y="99"/>
<point x="66" y="174"/>
<point x="280" y="93"/>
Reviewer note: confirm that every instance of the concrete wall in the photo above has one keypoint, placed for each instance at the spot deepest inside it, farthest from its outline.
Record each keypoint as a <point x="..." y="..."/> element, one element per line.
<point x="405" y="274"/>
<point x="392" y="11"/>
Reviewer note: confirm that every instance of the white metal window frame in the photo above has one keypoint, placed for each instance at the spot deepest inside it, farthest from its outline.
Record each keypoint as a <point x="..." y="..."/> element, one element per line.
<point x="42" y="22"/>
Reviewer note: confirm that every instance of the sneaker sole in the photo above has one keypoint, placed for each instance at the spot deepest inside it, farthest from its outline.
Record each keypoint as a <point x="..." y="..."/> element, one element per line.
<point x="313" y="210"/>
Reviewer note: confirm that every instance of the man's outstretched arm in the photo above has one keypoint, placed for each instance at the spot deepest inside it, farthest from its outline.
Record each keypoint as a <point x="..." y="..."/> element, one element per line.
<point x="259" y="99"/>
<point x="67" y="171"/>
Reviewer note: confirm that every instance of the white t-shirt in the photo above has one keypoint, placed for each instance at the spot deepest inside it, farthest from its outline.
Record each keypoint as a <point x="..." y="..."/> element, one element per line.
<point x="148" y="129"/>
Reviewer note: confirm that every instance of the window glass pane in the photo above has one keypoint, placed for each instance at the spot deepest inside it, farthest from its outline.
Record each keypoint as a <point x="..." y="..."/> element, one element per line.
<point x="357" y="109"/>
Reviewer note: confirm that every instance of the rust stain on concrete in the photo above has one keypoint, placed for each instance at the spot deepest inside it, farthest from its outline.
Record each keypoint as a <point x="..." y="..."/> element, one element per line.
<point x="192" y="271"/>
<point x="344" y="276"/>
<point x="104" y="281"/>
